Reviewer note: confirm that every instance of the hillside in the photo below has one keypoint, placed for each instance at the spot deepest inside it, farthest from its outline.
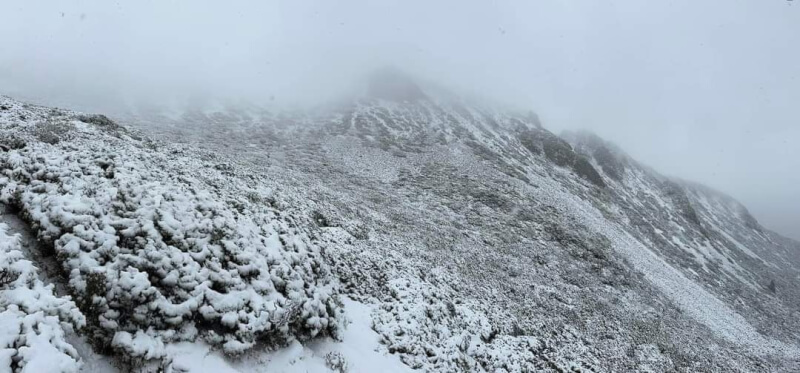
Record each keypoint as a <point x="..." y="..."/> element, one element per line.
<point x="472" y="237"/>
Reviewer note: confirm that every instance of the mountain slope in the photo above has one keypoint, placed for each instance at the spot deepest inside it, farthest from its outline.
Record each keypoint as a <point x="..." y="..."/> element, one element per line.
<point x="484" y="241"/>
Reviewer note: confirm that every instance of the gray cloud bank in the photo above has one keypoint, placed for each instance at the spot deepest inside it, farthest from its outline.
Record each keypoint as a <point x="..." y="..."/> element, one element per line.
<point x="707" y="91"/>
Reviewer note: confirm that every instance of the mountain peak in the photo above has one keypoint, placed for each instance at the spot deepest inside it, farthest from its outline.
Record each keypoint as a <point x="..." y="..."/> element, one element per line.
<point x="391" y="83"/>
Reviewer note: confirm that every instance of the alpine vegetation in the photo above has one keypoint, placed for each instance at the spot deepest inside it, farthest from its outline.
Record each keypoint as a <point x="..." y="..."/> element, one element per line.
<point x="407" y="228"/>
<point x="153" y="248"/>
<point x="32" y="317"/>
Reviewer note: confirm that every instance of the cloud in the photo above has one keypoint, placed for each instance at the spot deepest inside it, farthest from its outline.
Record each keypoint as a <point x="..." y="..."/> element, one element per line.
<point x="702" y="90"/>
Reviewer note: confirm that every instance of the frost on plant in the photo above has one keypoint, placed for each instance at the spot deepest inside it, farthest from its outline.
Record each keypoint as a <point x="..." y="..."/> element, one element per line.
<point x="32" y="318"/>
<point x="153" y="254"/>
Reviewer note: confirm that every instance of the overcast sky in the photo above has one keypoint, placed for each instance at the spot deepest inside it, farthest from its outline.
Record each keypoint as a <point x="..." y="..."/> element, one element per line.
<point x="705" y="90"/>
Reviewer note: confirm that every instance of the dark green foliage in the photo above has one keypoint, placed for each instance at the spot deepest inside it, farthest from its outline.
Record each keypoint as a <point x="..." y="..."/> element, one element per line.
<point x="359" y="232"/>
<point x="52" y="132"/>
<point x="566" y="238"/>
<point x="492" y="199"/>
<point x="10" y="142"/>
<point x="320" y="220"/>
<point x="98" y="119"/>
<point x="7" y="277"/>
<point x="678" y="195"/>
<point x="87" y="301"/>
<point x="530" y="141"/>
<point x="610" y="164"/>
<point x="558" y="151"/>
<point x="750" y="221"/>
<point x="484" y="152"/>
<point x="585" y="170"/>
<point x="691" y="215"/>
<point x="106" y="124"/>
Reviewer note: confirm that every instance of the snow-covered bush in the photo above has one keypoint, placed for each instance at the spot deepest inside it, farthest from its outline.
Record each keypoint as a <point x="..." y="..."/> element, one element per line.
<point x="53" y="132"/>
<point x="427" y="325"/>
<point x="32" y="317"/>
<point x="160" y="248"/>
<point x="336" y="362"/>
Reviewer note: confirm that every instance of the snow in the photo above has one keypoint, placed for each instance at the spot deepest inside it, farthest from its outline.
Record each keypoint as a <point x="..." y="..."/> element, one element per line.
<point x="738" y="244"/>
<point x="359" y="349"/>
<point x="700" y="257"/>
<point x="159" y="252"/>
<point x="33" y="320"/>
<point x="687" y="294"/>
<point x="188" y="260"/>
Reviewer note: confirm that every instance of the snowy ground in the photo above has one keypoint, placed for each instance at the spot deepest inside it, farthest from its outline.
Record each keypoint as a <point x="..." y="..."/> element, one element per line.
<point x="387" y="237"/>
<point x="360" y="352"/>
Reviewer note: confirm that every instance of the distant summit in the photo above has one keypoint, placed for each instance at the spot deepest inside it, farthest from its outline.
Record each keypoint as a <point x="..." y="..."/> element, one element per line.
<point x="392" y="84"/>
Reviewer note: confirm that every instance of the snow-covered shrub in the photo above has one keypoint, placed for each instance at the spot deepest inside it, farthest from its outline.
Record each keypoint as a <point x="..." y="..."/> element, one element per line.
<point x="105" y="124"/>
<point x="98" y="120"/>
<point x="11" y="142"/>
<point x="32" y="317"/>
<point x="52" y="132"/>
<point x="154" y="254"/>
<point x="427" y="325"/>
<point x="336" y="362"/>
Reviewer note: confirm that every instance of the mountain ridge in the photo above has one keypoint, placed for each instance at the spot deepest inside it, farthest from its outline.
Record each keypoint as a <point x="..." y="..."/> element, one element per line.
<point x="441" y="213"/>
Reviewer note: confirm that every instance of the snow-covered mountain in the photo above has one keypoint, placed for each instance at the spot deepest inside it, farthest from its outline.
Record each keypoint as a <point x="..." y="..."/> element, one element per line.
<point x="453" y="236"/>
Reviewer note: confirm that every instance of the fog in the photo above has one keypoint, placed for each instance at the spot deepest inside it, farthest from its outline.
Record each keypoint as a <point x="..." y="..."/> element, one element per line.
<point x="707" y="91"/>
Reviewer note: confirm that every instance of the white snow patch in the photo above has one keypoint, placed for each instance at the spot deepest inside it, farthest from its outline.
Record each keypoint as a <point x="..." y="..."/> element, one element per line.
<point x="360" y="350"/>
<point x="700" y="258"/>
<point x="738" y="244"/>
